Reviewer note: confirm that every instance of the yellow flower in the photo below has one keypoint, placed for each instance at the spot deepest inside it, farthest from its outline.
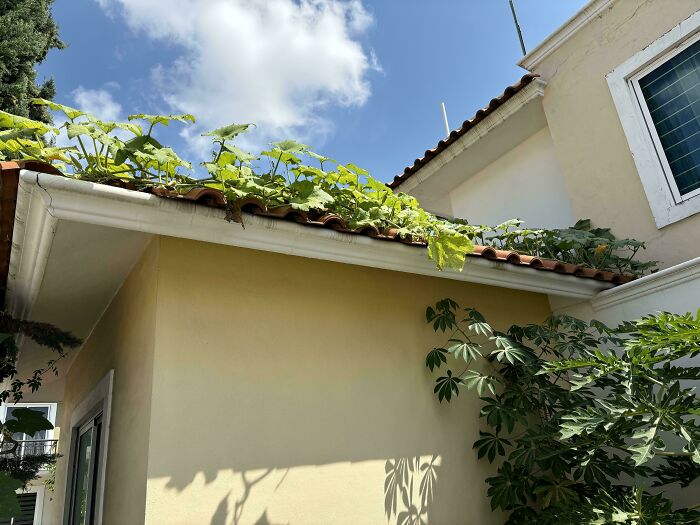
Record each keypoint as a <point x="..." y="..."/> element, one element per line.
<point x="601" y="249"/>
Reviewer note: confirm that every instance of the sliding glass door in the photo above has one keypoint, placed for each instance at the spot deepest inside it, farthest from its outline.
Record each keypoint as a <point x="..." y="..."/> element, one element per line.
<point x="85" y="472"/>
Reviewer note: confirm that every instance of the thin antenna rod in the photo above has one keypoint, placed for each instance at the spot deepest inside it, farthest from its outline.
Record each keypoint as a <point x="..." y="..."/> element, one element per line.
<point x="517" y="27"/>
<point x="444" y="118"/>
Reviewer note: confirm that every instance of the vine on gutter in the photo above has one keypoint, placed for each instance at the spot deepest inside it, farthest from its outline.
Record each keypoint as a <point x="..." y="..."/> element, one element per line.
<point x="288" y="173"/>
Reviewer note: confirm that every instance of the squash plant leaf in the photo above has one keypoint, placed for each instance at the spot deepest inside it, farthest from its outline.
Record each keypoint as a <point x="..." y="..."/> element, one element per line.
<point x="228" y="132"/>
<point x="449" y="249"/>
<point x="69" y="112"/>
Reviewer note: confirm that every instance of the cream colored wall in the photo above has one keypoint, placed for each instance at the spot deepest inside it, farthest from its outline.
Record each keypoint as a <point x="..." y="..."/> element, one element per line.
<point x="599" y="171"/>
<point x="284" y="388"/>
<point x="123" y="340"/>
<point x="524" y="183"/>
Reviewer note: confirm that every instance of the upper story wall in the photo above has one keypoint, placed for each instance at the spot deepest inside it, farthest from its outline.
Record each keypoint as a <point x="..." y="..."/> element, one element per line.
<point x="599" y="171"/>
<point x="287" y="390"/>
<point x="525" y="183"/>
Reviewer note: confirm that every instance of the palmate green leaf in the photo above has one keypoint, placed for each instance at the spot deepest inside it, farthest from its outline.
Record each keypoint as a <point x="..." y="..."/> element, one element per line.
<point x="435" y="358"/>
<point x="448" y="249"/>
<point x="9" y="506"/>
<point x="228" y="132"/>
<point x="556" y="492"/>
<point x="507" y="349"/>
<point x="446" y="385"/>
<point x="464" y="350"/>
<point x="442" y="315"/>
<point x="475" y="381"/>
<point x="491" y="445"/>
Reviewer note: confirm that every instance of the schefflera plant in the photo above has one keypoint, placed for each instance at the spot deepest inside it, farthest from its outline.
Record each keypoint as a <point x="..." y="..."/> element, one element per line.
<point x="587" y="424"/>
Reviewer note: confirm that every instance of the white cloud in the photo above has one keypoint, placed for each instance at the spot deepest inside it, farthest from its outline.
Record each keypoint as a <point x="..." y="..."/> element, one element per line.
<point x="98" y="102"/>
<point x="279" y="63"/>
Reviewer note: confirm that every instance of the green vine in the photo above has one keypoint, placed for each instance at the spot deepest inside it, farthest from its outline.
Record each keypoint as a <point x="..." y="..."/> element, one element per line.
<point x="290" y="174"/>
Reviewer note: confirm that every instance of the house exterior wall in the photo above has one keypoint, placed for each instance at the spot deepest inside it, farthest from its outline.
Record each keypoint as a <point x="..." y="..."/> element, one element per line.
<point x="598" y="168"/>
<point x="285" y="388"/>
<point x="123" y="341"/>
<point x="524" y="183"/>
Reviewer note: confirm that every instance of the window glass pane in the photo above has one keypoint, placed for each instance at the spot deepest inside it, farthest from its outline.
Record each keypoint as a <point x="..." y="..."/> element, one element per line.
<point x="82" y="476"/>
<point x="672" y="94"/>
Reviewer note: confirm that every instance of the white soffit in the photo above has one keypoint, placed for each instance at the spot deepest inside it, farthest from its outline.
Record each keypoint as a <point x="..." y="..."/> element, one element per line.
<point x="75" y="242"/>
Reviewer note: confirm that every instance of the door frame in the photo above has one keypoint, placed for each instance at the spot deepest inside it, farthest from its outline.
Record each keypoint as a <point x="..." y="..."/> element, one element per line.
<point x="98" y="401"/>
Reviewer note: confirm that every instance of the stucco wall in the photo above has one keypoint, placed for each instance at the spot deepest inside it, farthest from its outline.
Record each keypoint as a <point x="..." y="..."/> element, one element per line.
<point x="599" y="170"/>
<point x="284" y="388"/>
<point x="123" y="340"/>
<point x="524" y="183"/>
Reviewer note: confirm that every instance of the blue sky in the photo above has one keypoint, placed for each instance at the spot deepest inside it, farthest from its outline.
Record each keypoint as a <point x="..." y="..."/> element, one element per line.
<point x="360" y="80"/>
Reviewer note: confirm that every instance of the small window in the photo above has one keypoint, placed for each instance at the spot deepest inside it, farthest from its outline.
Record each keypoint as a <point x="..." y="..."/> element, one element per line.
<point x="657" y="96"/>
<point x="41" y="442"/>
<point x="669" y="94"/>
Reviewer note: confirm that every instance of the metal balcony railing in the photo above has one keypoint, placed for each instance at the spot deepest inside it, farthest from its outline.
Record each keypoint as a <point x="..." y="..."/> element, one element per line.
<point x="31" y="447"/>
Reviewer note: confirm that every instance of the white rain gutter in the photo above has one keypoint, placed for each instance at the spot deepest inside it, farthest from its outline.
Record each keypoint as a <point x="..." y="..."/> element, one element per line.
<point x="44" y="199"/>
<point x="678" y="275"/>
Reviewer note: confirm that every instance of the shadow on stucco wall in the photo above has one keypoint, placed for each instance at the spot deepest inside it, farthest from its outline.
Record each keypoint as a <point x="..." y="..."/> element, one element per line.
<point x="409" y="488"/>
<point x="225" y="516"/>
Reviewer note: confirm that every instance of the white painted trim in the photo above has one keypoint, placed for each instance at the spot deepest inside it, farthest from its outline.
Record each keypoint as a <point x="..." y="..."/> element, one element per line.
<point x="99" y="400"/>
<point x="26" y="271"/>
<point x="534" y="90"/>
<point x="650" y="284"/>
<point x="559" y="37"/>
<point x="40" y="492"/>
<point x="665" y="208"/>
<point x="81" y="201"/>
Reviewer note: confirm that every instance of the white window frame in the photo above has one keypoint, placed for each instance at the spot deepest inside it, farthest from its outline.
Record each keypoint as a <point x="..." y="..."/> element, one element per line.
<point x="39" y="490"/>
<point x="99" y="400"/>
<point x="51" y="416"/>
<point x="666" y="202"/>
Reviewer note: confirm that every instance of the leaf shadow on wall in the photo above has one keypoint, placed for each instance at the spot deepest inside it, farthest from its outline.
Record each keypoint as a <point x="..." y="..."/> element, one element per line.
<point x="222" y="514"/>
<point x="409" y="488"/>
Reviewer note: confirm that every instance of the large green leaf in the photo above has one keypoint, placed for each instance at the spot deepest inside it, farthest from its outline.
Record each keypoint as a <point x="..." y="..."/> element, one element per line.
<point x="68" y="111"/>
<point x="449" y="249"/>
<point x="228" y="132"/>
<point x="27" y="421"/>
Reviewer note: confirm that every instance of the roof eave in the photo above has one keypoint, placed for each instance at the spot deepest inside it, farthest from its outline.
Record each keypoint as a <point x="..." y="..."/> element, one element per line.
<point x="561" y="35"/>
<point x="65" y="199"/>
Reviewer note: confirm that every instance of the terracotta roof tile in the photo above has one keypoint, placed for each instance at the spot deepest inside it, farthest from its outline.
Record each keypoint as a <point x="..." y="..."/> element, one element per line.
<point x="466" y="126"/>
<point x="214" y="198"/>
